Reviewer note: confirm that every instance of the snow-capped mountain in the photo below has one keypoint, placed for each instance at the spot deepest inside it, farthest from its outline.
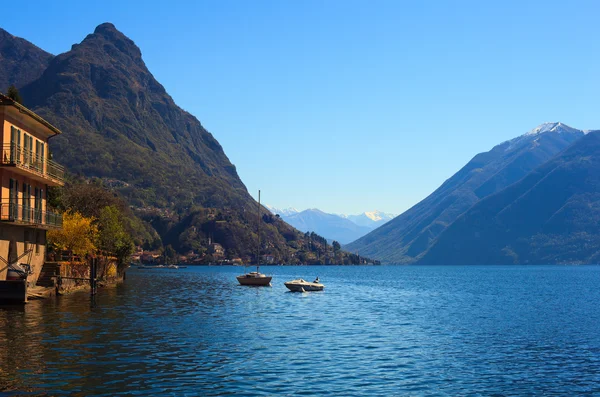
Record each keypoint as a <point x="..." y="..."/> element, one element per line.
<point x="339" y="227"/>
<point x="282" y="211"/>
<point x="542" y="132"/>
<point x="552" y="127"/>
<point x="371" y="219"/>
<point x="330" y="226"/>
<point x="413" y="233"/>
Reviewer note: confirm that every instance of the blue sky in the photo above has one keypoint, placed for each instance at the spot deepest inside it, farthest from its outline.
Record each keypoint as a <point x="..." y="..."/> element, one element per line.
<point x="350" y="106"/>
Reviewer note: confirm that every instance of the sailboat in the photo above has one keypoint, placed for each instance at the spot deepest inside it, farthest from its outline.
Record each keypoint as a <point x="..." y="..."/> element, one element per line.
<point x="256" y="279"/>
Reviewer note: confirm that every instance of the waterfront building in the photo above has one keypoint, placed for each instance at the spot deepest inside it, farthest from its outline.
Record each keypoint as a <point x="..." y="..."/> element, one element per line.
<point x="26" y="173"/>
<point x="217" y="250"/>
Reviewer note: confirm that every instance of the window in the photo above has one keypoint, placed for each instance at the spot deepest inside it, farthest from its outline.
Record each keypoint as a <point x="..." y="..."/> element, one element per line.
<point x="31" y="158"/>
<point x="25" y="154"/>
<point x="41" y="156"/>
<point x="28" y="150"/>
<point x="13" y="138"/>
<point x="15" y="145"/>
<point x="11" y="189"/>
<point x="26" y="202"/>
<point x="37" y="205"/>
<point x="38" y="150"/>
<point x="13" y="195"/>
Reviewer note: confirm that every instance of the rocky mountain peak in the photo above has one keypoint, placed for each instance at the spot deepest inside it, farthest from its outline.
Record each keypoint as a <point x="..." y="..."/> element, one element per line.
<point x="552" y="127"/>
<point x="108" y="39"/>
<point x="103" y="94"/>
<point x="105" y="28"/>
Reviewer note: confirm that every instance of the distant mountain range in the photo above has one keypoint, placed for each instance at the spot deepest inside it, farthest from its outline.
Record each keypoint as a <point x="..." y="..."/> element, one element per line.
<point x="341" y="228"/>
<point x="370" y="219"/>
<point x="407" y="237"/>
<point x="282" y="211"/>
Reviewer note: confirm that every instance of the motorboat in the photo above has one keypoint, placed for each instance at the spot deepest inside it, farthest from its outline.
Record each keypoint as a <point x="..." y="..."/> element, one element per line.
<point x="256" y="279"/>
<point x="301" y="285"/>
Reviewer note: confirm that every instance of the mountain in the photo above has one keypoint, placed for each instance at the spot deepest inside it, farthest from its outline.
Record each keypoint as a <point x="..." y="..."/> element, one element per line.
<point x="22" y="62"/>
<point x="550" y="216"/>
<point x="339" y="227"/>
<point x="410" y="234"/>
<point x="121" y="127"/>
<point x="282" y="212"/>
<point x="332" y="227"/>
<point x="124" y="128"/>
<point x="370" y="219"/>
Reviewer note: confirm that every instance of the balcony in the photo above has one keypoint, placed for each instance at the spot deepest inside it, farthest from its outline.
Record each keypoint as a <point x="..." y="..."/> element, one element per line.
<point x="29" y="164"/>
<point x="29" y="216"/>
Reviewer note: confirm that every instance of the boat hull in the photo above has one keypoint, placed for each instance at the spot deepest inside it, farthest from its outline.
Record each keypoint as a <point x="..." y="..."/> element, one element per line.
<point x="295" y="286"/>
<point x="255" y="281"/>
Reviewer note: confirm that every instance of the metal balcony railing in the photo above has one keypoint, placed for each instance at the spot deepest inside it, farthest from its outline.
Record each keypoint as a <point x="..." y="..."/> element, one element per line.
<point x="27" y="159"/>
<point x="12" y="212"/>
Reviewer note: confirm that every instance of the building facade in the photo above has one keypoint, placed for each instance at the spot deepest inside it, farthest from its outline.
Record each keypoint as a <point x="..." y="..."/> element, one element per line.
<point x="26" y="172"/>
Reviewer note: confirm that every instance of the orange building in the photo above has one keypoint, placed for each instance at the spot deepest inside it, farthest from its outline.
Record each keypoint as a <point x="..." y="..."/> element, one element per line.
<point x="26" y="172"/>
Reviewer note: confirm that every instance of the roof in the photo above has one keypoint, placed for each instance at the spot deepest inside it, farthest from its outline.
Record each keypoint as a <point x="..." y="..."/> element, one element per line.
<point x="6" y="101"/>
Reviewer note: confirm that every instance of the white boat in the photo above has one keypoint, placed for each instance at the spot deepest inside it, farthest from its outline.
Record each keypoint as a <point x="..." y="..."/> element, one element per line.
<point x="256" y="279"/>
<point x="301" y="285"/>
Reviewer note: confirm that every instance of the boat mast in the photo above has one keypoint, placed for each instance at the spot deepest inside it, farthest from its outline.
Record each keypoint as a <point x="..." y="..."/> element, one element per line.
<point x="258" y="232"/>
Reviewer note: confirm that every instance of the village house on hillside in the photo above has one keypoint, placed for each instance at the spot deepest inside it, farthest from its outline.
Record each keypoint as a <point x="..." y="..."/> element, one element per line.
<point x="26" y="172"/>
<point x="217" y="250"/>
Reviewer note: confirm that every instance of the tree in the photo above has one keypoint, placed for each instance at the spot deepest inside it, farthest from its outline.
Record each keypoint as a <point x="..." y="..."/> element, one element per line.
<point x="336" y="251"/>
<point x="55" y="198"/>
<point x="78" y="235"/>
<point x="90" y="198"/>
<point x="336" y="246"/>
<point x="113" y="238"/>
<point x="170" y="255"/>
<point x="13" y="93"/>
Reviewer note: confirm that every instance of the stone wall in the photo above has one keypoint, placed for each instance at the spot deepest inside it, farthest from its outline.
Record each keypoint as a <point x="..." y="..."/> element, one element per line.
<point x="15" y="240"/>
<point x="107" y="272"/>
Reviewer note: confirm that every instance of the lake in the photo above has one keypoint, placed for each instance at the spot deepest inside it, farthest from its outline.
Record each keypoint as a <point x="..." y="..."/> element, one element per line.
<point x="381" y="330"/>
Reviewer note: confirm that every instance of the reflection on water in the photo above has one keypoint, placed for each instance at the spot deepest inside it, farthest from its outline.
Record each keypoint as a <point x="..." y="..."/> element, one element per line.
<point x="374" y="331"/>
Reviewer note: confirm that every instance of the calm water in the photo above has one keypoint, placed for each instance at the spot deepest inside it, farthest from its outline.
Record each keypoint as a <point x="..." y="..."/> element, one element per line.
<point x="374" y="331"/>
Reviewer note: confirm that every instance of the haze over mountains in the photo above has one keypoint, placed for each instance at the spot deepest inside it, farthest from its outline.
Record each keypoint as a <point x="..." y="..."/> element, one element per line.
<point x="339" y="227"/>
<point x="408" y="236"/>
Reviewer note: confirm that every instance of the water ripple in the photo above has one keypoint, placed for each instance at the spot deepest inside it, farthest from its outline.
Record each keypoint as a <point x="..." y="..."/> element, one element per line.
<point x="439" y="331"/>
